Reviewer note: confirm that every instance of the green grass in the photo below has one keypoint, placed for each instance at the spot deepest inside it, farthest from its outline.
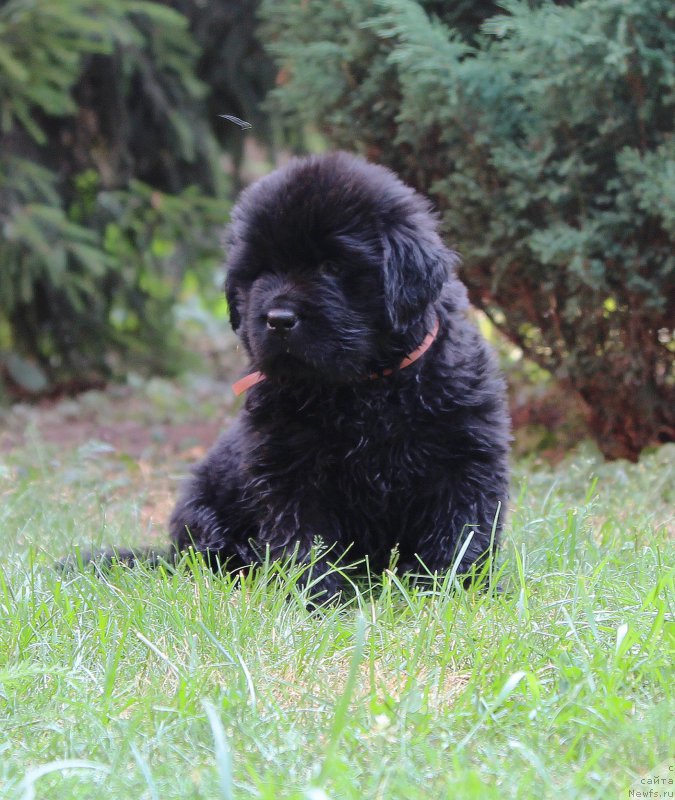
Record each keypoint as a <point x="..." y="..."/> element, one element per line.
<point x="189" y="685"/>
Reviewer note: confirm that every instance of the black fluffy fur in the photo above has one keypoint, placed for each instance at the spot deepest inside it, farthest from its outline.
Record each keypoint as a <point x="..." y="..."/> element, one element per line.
<point x="415" y="460"/>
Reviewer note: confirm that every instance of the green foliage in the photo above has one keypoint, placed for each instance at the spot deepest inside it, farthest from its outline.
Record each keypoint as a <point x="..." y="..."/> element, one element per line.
<point x="102" y="133"/>
<point x="545" y="138"/>
<point x="40" y="54"/>
<point x="73" y="289"/>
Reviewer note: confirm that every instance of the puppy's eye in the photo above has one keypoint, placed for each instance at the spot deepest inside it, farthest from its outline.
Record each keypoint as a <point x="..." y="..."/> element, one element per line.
<point x="329" y="267"/>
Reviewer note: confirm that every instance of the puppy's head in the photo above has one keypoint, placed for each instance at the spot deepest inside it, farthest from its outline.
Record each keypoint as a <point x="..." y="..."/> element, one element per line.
<point x="332" y="260"/>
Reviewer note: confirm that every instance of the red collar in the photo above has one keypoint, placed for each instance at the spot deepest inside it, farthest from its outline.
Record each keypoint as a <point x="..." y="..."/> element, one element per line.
<point x="245" y="383"/>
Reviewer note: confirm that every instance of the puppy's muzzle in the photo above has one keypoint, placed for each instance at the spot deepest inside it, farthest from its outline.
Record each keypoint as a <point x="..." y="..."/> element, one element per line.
<point x="281" y="321"/>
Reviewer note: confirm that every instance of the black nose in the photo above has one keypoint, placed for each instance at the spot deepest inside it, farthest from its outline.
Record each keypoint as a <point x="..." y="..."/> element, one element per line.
<point x="281" y="320"/>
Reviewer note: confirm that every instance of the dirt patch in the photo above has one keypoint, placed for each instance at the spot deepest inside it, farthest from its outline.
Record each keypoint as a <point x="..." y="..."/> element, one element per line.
<point x="132" y="438"/>
<point x="155" y="421"/>
<point x="124" y="443"/>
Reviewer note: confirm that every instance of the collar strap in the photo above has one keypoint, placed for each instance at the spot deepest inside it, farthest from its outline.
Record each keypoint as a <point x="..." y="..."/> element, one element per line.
<point x="245" y="383"/>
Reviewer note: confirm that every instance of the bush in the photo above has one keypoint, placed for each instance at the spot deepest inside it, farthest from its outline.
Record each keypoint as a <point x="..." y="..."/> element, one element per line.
<point x="102" y="134"/>
<point x="545" y="137"/>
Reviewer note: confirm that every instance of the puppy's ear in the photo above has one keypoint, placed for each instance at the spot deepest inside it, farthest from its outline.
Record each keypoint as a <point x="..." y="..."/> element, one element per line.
<point x="231" y="293"/>
<point x="416" y="267"/>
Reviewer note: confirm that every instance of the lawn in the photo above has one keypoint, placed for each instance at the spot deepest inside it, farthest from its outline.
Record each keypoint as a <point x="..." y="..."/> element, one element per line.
<point x="189" y="685"/>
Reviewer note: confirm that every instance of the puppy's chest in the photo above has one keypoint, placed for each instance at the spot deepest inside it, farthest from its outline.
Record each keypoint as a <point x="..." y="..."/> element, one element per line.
<point x="369" y="452"/>
<point x="371" y="444"/>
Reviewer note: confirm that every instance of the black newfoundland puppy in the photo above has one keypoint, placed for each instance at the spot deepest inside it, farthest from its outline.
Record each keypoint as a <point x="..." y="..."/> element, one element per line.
<point x="375" y="417"/>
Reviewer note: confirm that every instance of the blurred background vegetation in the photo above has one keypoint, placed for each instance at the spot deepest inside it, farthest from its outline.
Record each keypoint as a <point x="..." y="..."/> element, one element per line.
<point x="543" y="131"/>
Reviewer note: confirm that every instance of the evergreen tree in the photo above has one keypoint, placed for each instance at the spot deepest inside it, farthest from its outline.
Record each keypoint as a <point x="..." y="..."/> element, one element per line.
<point x="109" y="179"/>
<point x="544" y="135"/>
